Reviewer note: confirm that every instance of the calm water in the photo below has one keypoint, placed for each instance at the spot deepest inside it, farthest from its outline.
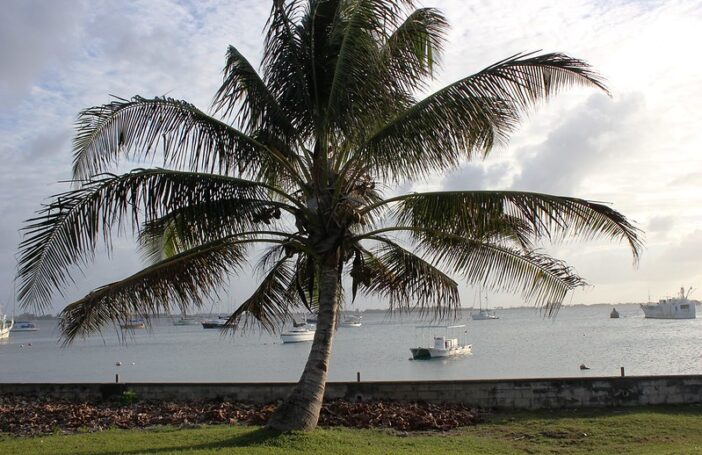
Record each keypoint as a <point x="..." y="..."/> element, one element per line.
<point x="520" y="344"/>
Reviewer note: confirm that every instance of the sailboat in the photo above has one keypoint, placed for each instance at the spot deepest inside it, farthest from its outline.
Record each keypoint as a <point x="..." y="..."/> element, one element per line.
<point x="185" y="319"/>
<point x="483" y="314"/>
<point x="5" y="327"/>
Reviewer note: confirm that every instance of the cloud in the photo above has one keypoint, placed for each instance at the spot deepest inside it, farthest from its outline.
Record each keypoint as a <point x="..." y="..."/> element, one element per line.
<point x="588" y="139"/>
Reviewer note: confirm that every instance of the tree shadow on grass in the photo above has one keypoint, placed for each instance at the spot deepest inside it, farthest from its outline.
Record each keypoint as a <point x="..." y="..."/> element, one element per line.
<point x="258" y="437"/>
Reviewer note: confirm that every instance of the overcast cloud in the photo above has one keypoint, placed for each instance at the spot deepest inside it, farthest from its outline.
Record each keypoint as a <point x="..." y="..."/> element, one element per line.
<point x="639" y="150"/>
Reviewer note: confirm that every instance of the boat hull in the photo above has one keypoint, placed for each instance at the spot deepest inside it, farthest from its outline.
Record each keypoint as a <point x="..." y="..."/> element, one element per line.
<point x="350" y="324"/>
<point x="435" y="353"/>
<point x="669" y="311"/>
<point x="24" y="327"/>
<point x="483" y="317"/>
<point x="213" y="325"/>
<point x="297" y="337"/>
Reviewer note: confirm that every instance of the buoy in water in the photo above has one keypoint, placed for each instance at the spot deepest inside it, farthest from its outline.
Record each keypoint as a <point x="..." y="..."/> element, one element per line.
<point x="584" y="367"/>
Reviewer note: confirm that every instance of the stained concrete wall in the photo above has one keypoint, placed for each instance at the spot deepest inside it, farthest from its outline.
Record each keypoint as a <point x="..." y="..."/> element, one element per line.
<point x="499" y="394"/>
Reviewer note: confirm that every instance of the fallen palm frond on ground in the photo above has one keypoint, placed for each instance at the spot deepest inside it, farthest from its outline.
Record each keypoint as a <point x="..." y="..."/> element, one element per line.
<point x="23" y="416"/>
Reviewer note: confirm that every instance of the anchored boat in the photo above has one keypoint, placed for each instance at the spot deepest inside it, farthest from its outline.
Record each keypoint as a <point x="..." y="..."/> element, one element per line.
<point x="351" y="321"/>
<point x="5" y="327"/>
<point x="483" y="314"/>
<point x="24" y="326"/>
<point x="135" y="323"/>
<point x="443" y="345"/>
<point x="299" y="333"/>
<point x="680" y="307"/>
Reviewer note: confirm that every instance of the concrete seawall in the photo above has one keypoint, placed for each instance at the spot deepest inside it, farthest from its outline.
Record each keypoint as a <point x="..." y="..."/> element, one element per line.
<point x="499" y="393"/>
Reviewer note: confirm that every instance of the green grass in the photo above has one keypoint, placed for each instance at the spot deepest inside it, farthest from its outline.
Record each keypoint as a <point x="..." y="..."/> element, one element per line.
<point x="657" y="430"/>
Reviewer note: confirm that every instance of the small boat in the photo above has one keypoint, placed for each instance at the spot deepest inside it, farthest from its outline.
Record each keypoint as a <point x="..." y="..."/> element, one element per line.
<point x="311" y="319"/>
<point x="218" y="323"/>
<point x="443" y="346"/>
<point x="135" y="323"/>
<point x="24" y="326"/>
<point x="186" y="320"/>
<point x="5" y="327"/>
<point x="679" y="307"/>
<point x="614" y="314"/>
<point x="351" y="321"/>
<point x="483" y="314"/>
<point x="298" y="334"/>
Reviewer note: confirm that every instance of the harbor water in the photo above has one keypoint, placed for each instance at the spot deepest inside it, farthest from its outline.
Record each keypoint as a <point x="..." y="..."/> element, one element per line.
<point x="521" y="344"/>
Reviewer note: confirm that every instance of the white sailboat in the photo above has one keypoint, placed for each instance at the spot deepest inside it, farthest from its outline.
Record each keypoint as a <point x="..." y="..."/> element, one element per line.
<point x="5" y="327"/>
<point x="351" y="321"/>
<point x="680" y="307"/>
<point x="483" y="314"/>
<point x="186" y="320"/>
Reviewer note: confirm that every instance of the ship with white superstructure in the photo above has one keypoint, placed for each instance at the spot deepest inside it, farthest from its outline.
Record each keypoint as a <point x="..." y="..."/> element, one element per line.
<point x="680" y="307"/>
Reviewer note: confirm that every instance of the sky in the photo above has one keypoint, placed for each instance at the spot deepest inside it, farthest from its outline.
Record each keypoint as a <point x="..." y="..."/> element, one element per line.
<point x="639" y="150"/>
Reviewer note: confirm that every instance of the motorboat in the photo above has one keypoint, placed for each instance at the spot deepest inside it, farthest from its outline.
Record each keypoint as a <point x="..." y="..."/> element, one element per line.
<point x="483" y="314"/>
<point x="298" y="334"/>
<point x="311" y="319"/>
<point x="614" y="314"/>
<point x="680" y="307"/>
<point x="5" y="327"/>
<point x="24" y="326"/>
<point x="442" y="346"/>
<point x="351" y="321"/>
<point x="135" y="323"/>
<point x="218" y="323"/>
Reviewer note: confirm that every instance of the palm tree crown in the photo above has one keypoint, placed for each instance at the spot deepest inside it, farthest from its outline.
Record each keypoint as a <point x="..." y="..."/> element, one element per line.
<point x="293" y="158"/>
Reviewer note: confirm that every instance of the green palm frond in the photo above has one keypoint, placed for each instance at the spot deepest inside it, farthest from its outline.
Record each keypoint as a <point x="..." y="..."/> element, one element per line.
<point x="244" y="95"/>
<point x="535" y="215"/>
<point x="189" y="139"/>
<point x="540" y="278"/>
<point x="358" y="87"/>
<point x="414" y="49"/>
<point x="468" y="116"/>
<point x="268" y="307"/>
<point x="67" y="231"/>
<point x="285" y="63"/>
<point x="183" y="280"/>
<point x="406" y="280"/>
<point x="165" y="242"/>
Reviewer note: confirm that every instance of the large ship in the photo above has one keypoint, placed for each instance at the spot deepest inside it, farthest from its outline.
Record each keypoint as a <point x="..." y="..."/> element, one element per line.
<point x="679" y="307"/>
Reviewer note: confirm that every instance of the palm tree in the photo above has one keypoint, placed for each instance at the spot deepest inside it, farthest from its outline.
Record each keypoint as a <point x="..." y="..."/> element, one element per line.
<point x="293" y="159"/>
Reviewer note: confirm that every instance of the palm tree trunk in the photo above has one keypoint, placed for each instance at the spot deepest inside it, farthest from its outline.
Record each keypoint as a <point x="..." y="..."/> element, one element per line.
<point x="300" y="411"/>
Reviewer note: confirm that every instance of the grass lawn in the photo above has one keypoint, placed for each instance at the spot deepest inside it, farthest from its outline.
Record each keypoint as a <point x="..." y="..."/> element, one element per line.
<point x="653" y="430"/>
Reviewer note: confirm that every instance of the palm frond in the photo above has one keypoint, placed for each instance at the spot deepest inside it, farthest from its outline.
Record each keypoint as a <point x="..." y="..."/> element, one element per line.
<point x="357" y="85"/>
<point x="468" y="116"/>
<point x="414" y="49"/>
<point x="189" y="139"/>
<point x="406" y="280"/>
<point x="523" y="214"/>
<point x="244" y="95"/>
<point x="540" y="278"/>
<point x="286" y="63"/>
<point x="183" y="280"/>
<point x="67" y="231"/>
<point x="268" y="307"/>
